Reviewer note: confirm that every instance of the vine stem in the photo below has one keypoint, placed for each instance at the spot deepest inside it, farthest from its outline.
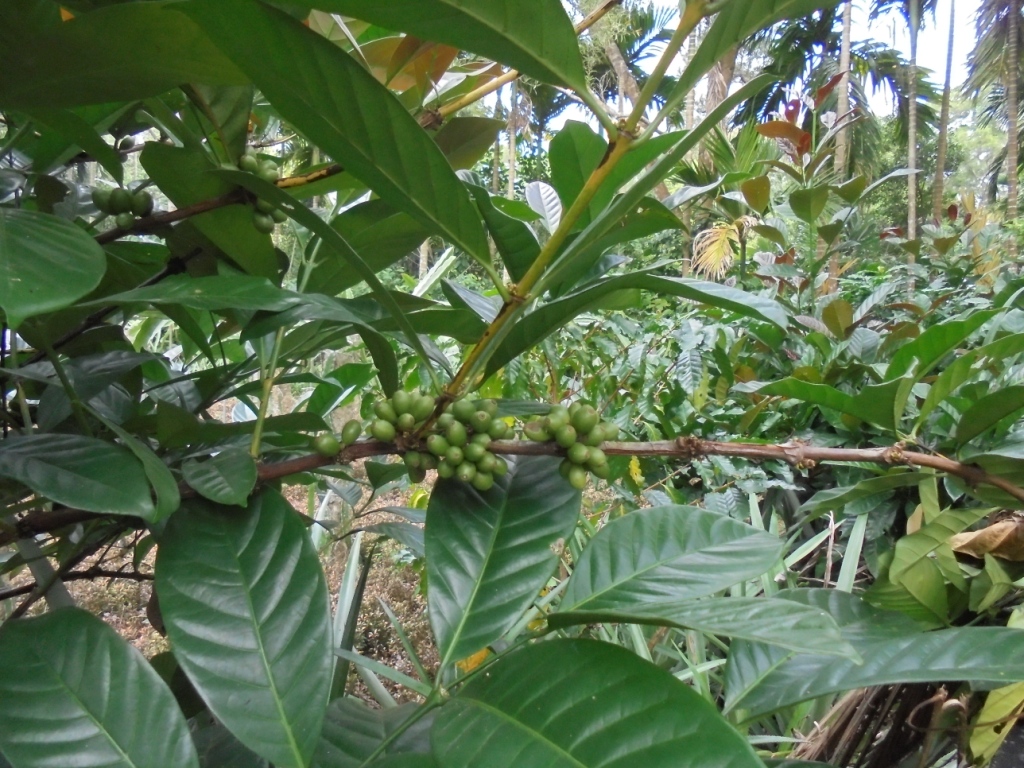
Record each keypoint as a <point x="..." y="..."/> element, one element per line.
<point x="687" y="449"/>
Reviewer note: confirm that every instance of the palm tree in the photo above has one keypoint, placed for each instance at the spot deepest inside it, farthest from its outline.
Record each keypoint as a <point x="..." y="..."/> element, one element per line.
<point x="940" y="163"/>
<point x="995" y="63"/>
<point x="843" y="92"/>
<point x="913" y="13"/>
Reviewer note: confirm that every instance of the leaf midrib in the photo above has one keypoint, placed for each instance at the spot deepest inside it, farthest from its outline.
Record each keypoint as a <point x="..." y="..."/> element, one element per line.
<point x="502" y="715"/>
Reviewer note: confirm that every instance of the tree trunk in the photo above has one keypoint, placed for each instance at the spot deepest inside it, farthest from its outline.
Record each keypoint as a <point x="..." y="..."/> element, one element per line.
<point x="940" y="160"/>
<point x="690" y="109"/>
<point x="720" y="78"/>
<point x="1013" y="115"/>
<point x="912" y="135"/>
<point x="496" y="168"/>
<point x="512" y="120"/>
<point x="424" y="258"/>
<point x="628" y="87"/>
<point x="843" y="137"/>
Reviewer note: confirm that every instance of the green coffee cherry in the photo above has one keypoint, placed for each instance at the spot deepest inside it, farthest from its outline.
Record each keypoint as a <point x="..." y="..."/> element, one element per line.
<point x="142" y="203"/>
<point x="483" y="481"/>
<point x="585" y="419"/>
<point x="413" y="459"/>
<point x="326" y="445"/>
<point x="596" y="458"/>
<point x="465" y="472"/>
<point x="578" y="453"/>
<point x="535" y="431"/>
<point x="263" y="223"/>
<point x="498" y="429"/>
<point x="101" y="198"/>
<point x="454" y="455"/>
<point x="563" y="468"/>
<point x="445" y="420"/>
<point x="265" y="206"/>
<point x="268" y="171"/>
<point x="437" y="445"/>
<point x="429" y="461"/>
<point x="422" y="407"/>
<point x="457" y="434"/>
<point x="445" y="470"/>
<point x="600" y="470"/>
<point x="417" y="475"/>
<point x="500" y="467"/>
<point x="351" y="431"/>
<point x="279" y="216"/>
<point x="489" y="406"/>
<point x="406" y="422"/>
<point x="487" y="463"/>
<point x="474" y="452"/>
<point x="248" y="163"/>
<point x="480" y="421"/>
<point x="120" y="200"/>
<point x="557" y="418"/>
<point x="577" y="477"/>
<point x="126" y="143"/>
<point x="565" y="436"/>
<point x="463" y="410"/>
<point x="481" y="438"/>
<point x="125" y="220"/>
<point x="385" y="410"/>
<point x="401" y="401"/>
<point x="610" y="430"/>
<point x="383" y="430"/>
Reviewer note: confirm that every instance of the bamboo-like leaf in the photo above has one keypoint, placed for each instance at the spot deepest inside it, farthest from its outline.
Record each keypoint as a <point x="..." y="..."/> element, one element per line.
<point x="989" y="411"/>
<point x="534" y="36"/>
<point x="72" y="692"/>
<point x="341" y="107"/>
<point x="245" y="603"/>
<point x="489" y="553"/>
<point x="583" y="704"/>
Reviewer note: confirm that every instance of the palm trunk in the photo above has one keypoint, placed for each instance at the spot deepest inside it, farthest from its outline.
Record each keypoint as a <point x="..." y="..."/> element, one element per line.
<point x="424" y="258"/>
<point x="512" y="120"/>
<point x="940" y="161"/>
<point x="843" y="137"/>
<point x="912" y="136"/>
<point x="496" y="168"/>
<point x="1013" y="115"/>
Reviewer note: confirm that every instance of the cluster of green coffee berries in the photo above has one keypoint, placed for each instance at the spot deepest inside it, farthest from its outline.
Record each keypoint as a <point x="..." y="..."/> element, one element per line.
<point x="579" y="430"/>
<point x="123" y="204"/>
<point x="265" y="216"/>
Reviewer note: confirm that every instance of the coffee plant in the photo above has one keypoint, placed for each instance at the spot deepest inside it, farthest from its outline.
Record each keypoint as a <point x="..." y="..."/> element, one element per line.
<point x="797" y="541"/>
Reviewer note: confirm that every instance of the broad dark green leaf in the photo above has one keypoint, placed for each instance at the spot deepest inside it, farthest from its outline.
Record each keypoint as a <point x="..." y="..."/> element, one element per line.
<point x="534" y="36"/>
<point x="489" y="553"/>
<point x="837" y="498"/>
<point x="352" y="731"/>
<point x="931" y="346"/>
<point x="227" y="478"/>
<point x="46" y="263"/>
<point x="874" y="403"/>
<point x="245" y="603"/>
<point x="767" y="620"/>
<point x="72" y="692"/>
<point x="81" y="472"/>
<point x="76" y="130"/>
<point x="337" y="104"/>
<point x="539" y="324"/>
<point x="516" y="242"/>
<point x="1005" y="460"/>
<point x="183" y="174"/>
<point x="211" y="293"/>
<point x="119" y="53"/>
<point x="464" y="140"/>
<point x="808" y="204"/>
<point x="581" y="703"/>
<point x="574" y="154"/>
<point x="378" y="232"/>
<point x="988" y="412"/>
<point x="760" y="679"/>
<point x="666" y="554"/>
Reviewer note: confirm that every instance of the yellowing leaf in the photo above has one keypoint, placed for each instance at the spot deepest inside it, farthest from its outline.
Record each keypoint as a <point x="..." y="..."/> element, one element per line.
<point x="995" y="721"/>
<point x="634" y="471"/>
<point x="1003" y="539"/>
<point x="470" y="663"/>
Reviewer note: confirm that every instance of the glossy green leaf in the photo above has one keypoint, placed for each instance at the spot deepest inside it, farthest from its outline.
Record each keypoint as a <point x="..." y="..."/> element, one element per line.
<point x="227" y="478"/>
<point x="352" y="731"/>
<point x="808" y="204"/>
<point x="183" y="174"/>
<point x="574" y="154"/>
<point x="534" y="36"/>
<point x="46" y="263"/>
<point x="211" y="293"/>
<point x="76" y="130"/>
<point x="81" y="472"/>
<point x="835" y="499"/>
<point x="760" y="679"/>
<point x="665" y="554"/>
<point x="465" y="140"/>
<point x="337" y="104"/>
<point x="516" y="242"/>
<point x="576" y="703"/>
<point x="874" y="403"/>
<point x="119" y="53"/>
<point x="917" y="546"/>
<point x="539" y="324"/>
<point x="778" y="622"/>
<point x="489" y="553"/>
<point x="73" y="692"/>
<point x="378" y="232"/>
<point x="989" y="411"/>
<point x="245" y="603"/>
<point x="165" y="487"/>
<point x="657" y="170"/>
<point x="925" y="352"/>
<point x="1004" y="460"/>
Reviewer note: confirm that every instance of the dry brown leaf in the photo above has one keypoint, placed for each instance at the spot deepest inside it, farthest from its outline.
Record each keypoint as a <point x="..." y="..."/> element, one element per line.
<point x="1003" y="539"/>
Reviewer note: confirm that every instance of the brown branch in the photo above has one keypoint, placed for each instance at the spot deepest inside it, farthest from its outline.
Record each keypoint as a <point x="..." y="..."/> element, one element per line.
<point x="92" y="573"/>
<point x="797" y="454"/>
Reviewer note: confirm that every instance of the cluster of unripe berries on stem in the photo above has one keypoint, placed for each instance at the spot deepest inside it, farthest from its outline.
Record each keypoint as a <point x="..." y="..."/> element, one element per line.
<point x="124" y="205"/>
<point x="265" y="215"/>
<point x="457" y="443"/>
